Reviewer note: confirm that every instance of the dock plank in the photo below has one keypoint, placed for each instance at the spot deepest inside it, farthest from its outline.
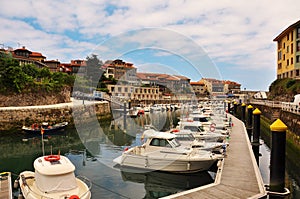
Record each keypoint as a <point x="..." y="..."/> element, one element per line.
<point x="5" y="186"/>
<point x="239" y="176"/>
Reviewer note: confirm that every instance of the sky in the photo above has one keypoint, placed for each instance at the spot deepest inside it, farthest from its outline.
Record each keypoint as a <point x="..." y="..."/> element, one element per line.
<point x="225" y="39"/>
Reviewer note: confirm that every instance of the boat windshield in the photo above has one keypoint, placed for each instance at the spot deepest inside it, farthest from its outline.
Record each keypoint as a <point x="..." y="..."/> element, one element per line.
<point x="194" y="128"/>
<point x="174" y="142"/>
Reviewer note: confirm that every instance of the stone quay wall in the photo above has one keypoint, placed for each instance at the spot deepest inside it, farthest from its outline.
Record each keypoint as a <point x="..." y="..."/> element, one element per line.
<point x="291" y="120"/>
<point x="13" y="118"/>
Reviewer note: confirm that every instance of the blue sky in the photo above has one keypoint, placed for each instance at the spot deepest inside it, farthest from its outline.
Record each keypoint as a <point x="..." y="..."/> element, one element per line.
<point x="230" y="40"/>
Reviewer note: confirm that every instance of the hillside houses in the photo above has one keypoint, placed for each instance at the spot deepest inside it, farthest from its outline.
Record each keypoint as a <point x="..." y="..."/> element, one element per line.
<point x="130" y="83"/>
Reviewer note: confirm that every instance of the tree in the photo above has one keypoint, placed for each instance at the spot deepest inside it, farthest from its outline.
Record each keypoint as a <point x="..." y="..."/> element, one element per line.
<point x="12" y="78"/>
<point x="93" y="69"/>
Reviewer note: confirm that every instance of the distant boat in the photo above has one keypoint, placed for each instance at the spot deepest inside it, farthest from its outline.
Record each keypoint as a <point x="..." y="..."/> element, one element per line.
<point x="54" y="177"/>
<point x="45" y="127"/>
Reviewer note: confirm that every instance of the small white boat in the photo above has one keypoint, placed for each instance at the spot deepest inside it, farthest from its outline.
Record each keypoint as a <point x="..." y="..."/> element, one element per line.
<point x="162" y="152"/>
<point x="53" y="178"/>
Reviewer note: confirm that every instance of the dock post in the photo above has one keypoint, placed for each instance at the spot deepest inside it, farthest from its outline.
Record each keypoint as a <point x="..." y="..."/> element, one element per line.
<point x="129" y="104"/>
<point x="249" y="121"/>
<point x="256" y="134"/>
<point x="234" y="107"/>
<point x="125" y="115"/>
<point x="228" y="107"/>
<point x="256" y="125"/>
<point x="277" y="165"/>
<point x="244" y="112"/>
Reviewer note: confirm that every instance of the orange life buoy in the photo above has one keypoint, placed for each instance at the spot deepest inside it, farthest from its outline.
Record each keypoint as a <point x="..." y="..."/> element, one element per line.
<point x="74" y="197"/>
<point x="52" y="158"/>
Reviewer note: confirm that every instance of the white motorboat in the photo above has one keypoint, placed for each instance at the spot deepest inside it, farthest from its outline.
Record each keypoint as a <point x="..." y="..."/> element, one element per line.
<point x="198" y="131"/>
<point x="188" y="139"/>
<point x="163" y="152"/>
<point x="53" y="178"/>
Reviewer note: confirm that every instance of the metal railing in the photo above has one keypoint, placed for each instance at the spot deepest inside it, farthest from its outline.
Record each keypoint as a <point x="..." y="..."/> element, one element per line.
<point x="285" y="106"/>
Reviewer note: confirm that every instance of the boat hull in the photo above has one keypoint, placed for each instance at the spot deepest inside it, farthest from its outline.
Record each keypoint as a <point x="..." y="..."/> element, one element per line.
<point x="177" y="165"/>
<point x="30" y="190"/>
<point x="54" y="129"/>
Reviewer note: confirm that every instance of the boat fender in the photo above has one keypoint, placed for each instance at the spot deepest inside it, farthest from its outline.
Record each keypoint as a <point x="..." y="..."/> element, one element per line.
<point x="175" y="130"/>
<point x="52" y="158"/>
<point x="74" y="197"/>
<point x="16" y="184"/>
<point x="126" y="149"/>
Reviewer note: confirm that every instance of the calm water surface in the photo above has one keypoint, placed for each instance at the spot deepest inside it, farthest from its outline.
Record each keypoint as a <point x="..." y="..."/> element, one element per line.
<point x="18" y="153"/>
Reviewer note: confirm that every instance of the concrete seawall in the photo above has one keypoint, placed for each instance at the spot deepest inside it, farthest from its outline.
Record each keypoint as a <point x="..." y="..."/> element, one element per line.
<point x="15" y="117"/>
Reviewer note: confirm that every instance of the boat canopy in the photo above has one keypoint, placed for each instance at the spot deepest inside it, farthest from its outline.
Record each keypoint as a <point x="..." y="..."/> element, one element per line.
<point x="54" y="176"/>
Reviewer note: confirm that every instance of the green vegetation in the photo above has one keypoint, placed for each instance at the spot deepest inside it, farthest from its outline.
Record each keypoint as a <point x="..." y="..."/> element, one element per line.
<point x="284" y="89"/>
<point x="16" y="78"/>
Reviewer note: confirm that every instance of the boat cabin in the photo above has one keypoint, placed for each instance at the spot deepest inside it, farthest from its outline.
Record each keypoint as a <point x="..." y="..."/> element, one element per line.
<point x="157" y="139"/>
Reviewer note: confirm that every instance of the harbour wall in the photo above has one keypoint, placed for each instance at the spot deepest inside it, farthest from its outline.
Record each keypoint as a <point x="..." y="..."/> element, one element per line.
<point x="13" y="118"/>
<point x="291" y="120"/>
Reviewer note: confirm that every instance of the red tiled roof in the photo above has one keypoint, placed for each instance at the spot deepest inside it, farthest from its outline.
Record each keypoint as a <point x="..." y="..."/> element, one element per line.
<point x="36" y="54"/>
<point x="159" y="76"/>
<point x="197" y="83"/>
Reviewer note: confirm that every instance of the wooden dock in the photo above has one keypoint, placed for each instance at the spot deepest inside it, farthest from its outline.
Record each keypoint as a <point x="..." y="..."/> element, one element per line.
<point x="238" y="175"/>
<point x="5" y="185"/>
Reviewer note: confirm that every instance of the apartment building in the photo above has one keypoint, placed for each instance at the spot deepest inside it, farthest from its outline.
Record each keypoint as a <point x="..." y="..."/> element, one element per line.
<point x="166" y="82"/>
<point x="120" y="70"/>
<point x="199" y="88"/>
<point x="127" y="92"/>
<point x="288" y="52"/>
<point x="77" y="66"/>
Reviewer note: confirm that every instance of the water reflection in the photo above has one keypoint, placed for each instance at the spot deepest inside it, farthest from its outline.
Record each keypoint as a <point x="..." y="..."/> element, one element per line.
<point x="102" y="146"/>
<point x="159" y="184"/>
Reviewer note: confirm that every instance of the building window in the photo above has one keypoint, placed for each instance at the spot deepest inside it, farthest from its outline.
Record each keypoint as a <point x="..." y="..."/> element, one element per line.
<point x="298" y="32"/>
<point x="292" y="48"/>
<point x="283" y="45"/>
<point x="288" y="36"/>
<point x="297" y="72"/>
<point x="287" y="62"/>
<point x="292" y="61"/>
<point x="284" y="57"/>
<point x="287" y="49"/>
<point x="279" y="55"/>
<point x="297" y="58"/>
<point x="298" y="45"/>
<point x="292" y="35"/>
<point x="279" y="66"/>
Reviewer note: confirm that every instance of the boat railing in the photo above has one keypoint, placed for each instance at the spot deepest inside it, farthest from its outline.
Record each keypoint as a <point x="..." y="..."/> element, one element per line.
<point x="88" y="182"/>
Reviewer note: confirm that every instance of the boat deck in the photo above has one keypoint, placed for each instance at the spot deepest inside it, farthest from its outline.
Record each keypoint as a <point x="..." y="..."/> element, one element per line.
<point x="5" y="186"/>
<point x="238" y="175"/>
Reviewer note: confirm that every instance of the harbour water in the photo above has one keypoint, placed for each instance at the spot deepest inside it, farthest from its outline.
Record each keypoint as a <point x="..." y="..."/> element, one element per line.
<point x="18" y="153"/>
